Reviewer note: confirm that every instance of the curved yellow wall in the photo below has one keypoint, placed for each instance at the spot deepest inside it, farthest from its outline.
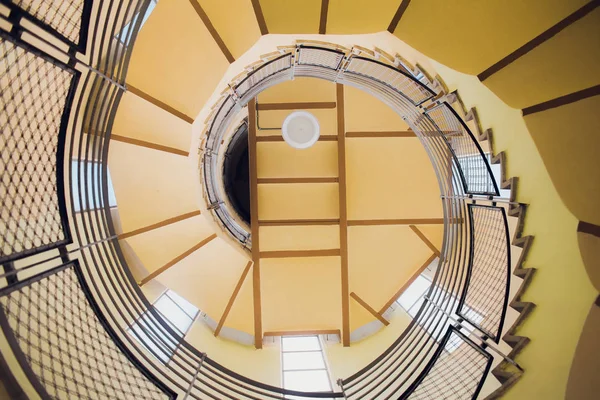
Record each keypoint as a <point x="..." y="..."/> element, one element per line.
<point x="471" y="35"/>
<point x="568" y="141"/>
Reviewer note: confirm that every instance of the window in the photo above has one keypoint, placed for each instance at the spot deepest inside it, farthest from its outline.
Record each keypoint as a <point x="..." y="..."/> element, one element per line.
<point x="412" y="298"/>
<point x="125" y="36"/>
<point x="304" y="365"/>
<point x="178" y="313"/>
<point x="93" y="171"/>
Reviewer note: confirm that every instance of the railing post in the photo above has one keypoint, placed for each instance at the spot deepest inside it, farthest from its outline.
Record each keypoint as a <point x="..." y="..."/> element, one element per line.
<point x="195" y="377"/>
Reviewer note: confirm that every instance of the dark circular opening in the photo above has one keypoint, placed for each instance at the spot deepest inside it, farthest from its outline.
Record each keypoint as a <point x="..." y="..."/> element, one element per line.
<point x="236" y="174"/>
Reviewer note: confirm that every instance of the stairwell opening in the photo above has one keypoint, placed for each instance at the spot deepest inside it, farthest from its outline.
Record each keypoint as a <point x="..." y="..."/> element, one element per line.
<point x="236" y="174"/>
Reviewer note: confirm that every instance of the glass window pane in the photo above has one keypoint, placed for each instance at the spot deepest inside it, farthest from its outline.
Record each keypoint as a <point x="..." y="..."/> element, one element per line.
<point x="300" y="343"/>
<point x="161" y="350"/>
<point x="173" y="313"/>
<point x="310" y="381"/>
<point x="303" y="360"/>
<point x="413" y="292"/>
<point x="189" y="308"/>
<point x="92" y="171"/>
<point x="124" y="35"/>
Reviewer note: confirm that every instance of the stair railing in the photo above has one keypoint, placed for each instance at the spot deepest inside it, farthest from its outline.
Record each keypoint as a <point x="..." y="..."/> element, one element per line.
<point x="60" y="253"/>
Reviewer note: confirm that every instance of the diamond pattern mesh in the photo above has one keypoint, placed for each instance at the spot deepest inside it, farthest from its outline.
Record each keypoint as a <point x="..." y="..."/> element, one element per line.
<point x="456" y="373"/>
<point x="490" y="268"/>
<point x="319" y="57"/>
<point x="63" y="16"/>
<point x="67" y="347"/>
<point x="33" y="99"/>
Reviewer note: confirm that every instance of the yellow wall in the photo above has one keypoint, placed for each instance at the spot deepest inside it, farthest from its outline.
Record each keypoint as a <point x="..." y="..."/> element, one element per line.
<point x="560" y="66"/>
<point x="139" y="119"/>
<point x="567" y="139"/>
<point x="175" y="59"/>
<point x="292" y="16"/>
<point x="280" y="160"/>
<point x="390" y="178"/>
<point x="230" y="17"/>
<point x="150" y="185"/>
<point x="301" y="293"/>
<point x="460" y="33"/>
<point x="360" y="16"/>
<point x="273" y="238"/>
<point x="365" y="113"/>
<point x="159" y="246"/>
<point x="301" y="89"/>
<point x="298" y="201"/>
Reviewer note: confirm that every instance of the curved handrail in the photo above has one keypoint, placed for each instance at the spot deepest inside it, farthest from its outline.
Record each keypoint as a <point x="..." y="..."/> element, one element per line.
<point x="112" y="287"/>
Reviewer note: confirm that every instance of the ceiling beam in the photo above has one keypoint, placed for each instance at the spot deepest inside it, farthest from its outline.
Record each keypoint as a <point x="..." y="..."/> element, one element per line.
<point x="164" y="106"/>
<point x="407" y="221"/>
<point x="313" y="105"/>
<point x="298" y="222"/>
<point x="262" y="181"/>
<point x="386" y="134"/>
<point x="253" y="170"/>
<point x="213" y="32"/>
<point x="177" y="259"/>
<point x="369" y="308"/>
<point x="408" y="283"/>
<point x="260" y="17"/>
<point x="425" y="240"/>
<point x="341" y="131"/>
<point x="399" y="13"/>
<point x="279" y="138"/>
<point x="300" y="253"/>
<point x="304" y="333"/>
<point x="149" y="145"/>
<point x="158" y="225"/>
<point x="232" y="298"/>
<point x="323" y="19"/>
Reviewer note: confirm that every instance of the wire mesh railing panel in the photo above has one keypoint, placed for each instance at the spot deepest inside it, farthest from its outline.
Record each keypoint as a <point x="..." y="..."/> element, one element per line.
<point x="456" y="372"/>
<point x="57" y="336"/>
<point x="320" y="57"/>
<point x="407" y="86"/>
<point x="272" y="67"/>
<point x="67" y="19"/>
<point x="485" y="297"/>
<point x="216" y="126"/>
<point x="473" y="164"/>
<point x="36" y="96"/>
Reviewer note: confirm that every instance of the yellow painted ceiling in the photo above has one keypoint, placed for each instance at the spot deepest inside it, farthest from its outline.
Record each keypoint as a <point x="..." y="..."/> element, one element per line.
<point x="292" y="16"/>
<point x="150" y="185"/>
<point x="230" y="17"/>
<point x="178" y="63"/>
<point x="477" y="33"/>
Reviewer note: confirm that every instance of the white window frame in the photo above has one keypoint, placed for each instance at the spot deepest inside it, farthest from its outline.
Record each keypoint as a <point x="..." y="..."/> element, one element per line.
<point x="321" y="350"/>
<point x="164" y="349"/>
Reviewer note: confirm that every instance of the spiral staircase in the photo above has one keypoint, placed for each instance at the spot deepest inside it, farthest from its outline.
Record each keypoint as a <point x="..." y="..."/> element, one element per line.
<point x="143" y="98"/>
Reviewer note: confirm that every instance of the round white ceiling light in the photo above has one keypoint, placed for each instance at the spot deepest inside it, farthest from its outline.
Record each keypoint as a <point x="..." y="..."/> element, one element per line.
<point x="300" y="130"/>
